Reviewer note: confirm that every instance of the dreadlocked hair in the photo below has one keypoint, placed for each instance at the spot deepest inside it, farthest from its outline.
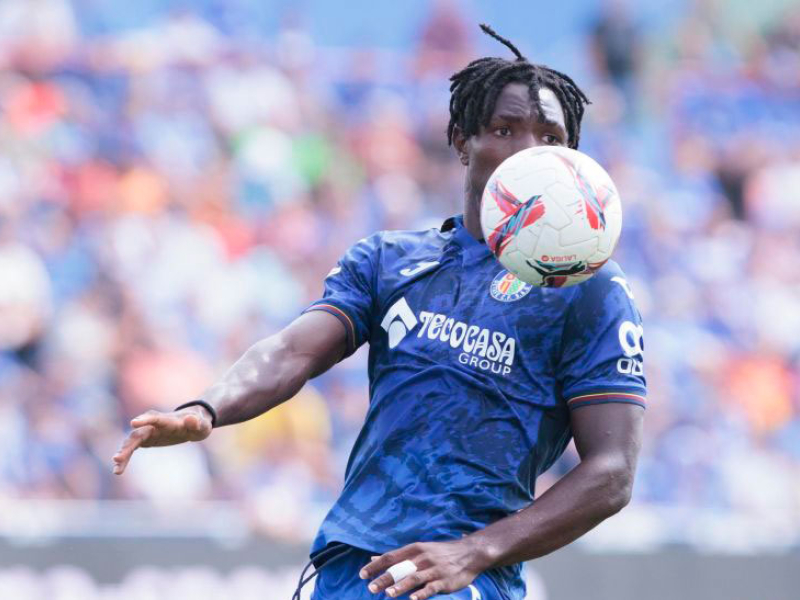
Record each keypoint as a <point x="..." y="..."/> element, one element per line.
<point x="474" y="91"/>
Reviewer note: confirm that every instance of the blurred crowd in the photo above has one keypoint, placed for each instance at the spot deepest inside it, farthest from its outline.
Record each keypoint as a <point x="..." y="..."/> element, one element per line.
<point x="174" y="190"/>
<point x="152" y="583"/>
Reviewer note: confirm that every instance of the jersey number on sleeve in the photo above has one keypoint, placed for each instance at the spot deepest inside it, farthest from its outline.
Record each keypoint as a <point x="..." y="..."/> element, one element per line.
<point x="631" y="339"/>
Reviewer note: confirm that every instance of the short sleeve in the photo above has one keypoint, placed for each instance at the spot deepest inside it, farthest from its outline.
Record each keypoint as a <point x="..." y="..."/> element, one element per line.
<point x="602" y="347"/>
<point x="349" y="291"/>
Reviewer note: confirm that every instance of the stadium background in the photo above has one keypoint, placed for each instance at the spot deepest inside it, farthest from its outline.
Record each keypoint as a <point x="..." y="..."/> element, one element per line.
<point x="176" y="178"/>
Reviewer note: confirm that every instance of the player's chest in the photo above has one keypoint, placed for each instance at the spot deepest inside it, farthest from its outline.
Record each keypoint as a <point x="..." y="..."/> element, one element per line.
<point x="478" y="317"/>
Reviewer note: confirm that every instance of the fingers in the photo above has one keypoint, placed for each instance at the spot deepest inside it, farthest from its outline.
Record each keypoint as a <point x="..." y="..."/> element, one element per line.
<point x="135" y="439"/>
<point x="154" y="428"/>
<point x="381" y="583"/>
<point x="437" y="571"/>
<point x="385" y="581"/>
<point x="379" y="564"/>
<point x="196" y="427"/>
<point x="189" y="423"/>
<point x="433" y="588"/>
<point x="403" y="586"/>
<point x="151" y="417"/>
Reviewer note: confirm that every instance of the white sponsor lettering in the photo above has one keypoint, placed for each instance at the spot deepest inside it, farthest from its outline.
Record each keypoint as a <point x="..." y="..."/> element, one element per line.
<point x="398" y="321"/>
<point x="425" y="317"/>
<point x="469" y="341"/>
<point x="436" y="325"/>
<point x="493" y="353"/>
<point x="507" y="353"/>
<point x="481" y="342"/>
<point x="447" y="328"/>
<point x="483" y="364"/>
<point x="457" y="336"/>
<point x="480" y="348"/>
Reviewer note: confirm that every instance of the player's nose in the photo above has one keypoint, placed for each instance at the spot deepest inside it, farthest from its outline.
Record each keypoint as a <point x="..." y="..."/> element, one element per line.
<point x="525" y="142"/>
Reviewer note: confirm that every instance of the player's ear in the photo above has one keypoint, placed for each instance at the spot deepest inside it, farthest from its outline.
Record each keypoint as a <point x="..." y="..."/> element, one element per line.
<point x="460" y="143"/>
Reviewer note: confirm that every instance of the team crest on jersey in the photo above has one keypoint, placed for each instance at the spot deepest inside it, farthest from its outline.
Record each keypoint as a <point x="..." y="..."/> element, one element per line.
<point x="506" y="287"/>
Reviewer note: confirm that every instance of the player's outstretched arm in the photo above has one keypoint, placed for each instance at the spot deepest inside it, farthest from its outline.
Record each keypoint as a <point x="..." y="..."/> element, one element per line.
<point x="268" y="373"/>
<point x="608" y="439"/>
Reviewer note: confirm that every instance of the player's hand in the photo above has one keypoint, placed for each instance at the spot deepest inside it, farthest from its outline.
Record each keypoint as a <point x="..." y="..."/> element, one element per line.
<point x="154" y="428"/>
<point x="442" y="567"/>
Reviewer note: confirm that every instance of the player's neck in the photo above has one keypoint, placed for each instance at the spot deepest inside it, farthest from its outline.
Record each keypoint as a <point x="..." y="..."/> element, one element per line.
<point x="472" y="218"/>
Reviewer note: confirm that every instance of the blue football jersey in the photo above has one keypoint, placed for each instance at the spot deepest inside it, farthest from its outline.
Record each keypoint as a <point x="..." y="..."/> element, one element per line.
<point x="473" y="375"/>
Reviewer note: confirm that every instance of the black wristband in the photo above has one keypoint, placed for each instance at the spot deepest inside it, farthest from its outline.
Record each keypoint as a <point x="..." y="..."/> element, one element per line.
<point x="205" y="405"/>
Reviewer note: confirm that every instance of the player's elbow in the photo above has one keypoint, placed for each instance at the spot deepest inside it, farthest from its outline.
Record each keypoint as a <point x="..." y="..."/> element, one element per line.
<point x="616" y="485"/>
<point x="621" y="496"/>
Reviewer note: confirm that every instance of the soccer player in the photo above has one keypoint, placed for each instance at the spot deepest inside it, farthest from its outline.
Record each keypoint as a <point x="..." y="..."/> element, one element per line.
<point x="477" y="381"/>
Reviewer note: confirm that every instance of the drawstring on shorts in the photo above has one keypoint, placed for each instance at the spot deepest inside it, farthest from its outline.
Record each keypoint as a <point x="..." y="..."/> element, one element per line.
<point x="328" y="555"/>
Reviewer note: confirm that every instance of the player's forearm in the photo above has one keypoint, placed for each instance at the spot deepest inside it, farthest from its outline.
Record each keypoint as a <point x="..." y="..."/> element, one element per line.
<point x="269" y="373"/>
<point x="586" y="496"/>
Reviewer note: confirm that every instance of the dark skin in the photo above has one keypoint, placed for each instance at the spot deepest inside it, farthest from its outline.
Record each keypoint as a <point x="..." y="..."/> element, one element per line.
<point x="514" y="126"/>
<point x="607" y="436"/>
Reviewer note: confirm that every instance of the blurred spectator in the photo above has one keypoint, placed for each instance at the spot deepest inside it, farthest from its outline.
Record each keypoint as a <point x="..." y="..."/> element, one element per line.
<point x="444" y="41"/>
<point x="616" y="49"/>
<point x="25" y="296"/>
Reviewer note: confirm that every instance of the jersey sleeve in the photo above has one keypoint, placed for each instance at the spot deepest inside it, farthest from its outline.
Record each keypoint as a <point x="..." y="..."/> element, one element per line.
<point x="602" y="357"/>
<point x="350" y="291"/>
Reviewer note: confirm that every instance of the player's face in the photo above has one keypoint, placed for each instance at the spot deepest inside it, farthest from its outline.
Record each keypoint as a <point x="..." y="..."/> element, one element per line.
<point x="515" y="125"/>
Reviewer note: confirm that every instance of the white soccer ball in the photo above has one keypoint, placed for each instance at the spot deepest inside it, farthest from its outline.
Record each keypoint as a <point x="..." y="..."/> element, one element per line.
<point x="551" y="215"/>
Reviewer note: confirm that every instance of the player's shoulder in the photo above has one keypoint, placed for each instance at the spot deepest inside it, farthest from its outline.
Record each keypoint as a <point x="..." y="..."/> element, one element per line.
<point x="604" y="299"/>
<point x="408" y="239"/>
<point x="405" y="245"/>
<point x="606" y="274"/>
<point x="608" y="281"/>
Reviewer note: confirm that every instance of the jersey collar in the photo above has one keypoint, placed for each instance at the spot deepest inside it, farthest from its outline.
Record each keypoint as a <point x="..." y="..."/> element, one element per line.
<point x="473" y="250"/>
